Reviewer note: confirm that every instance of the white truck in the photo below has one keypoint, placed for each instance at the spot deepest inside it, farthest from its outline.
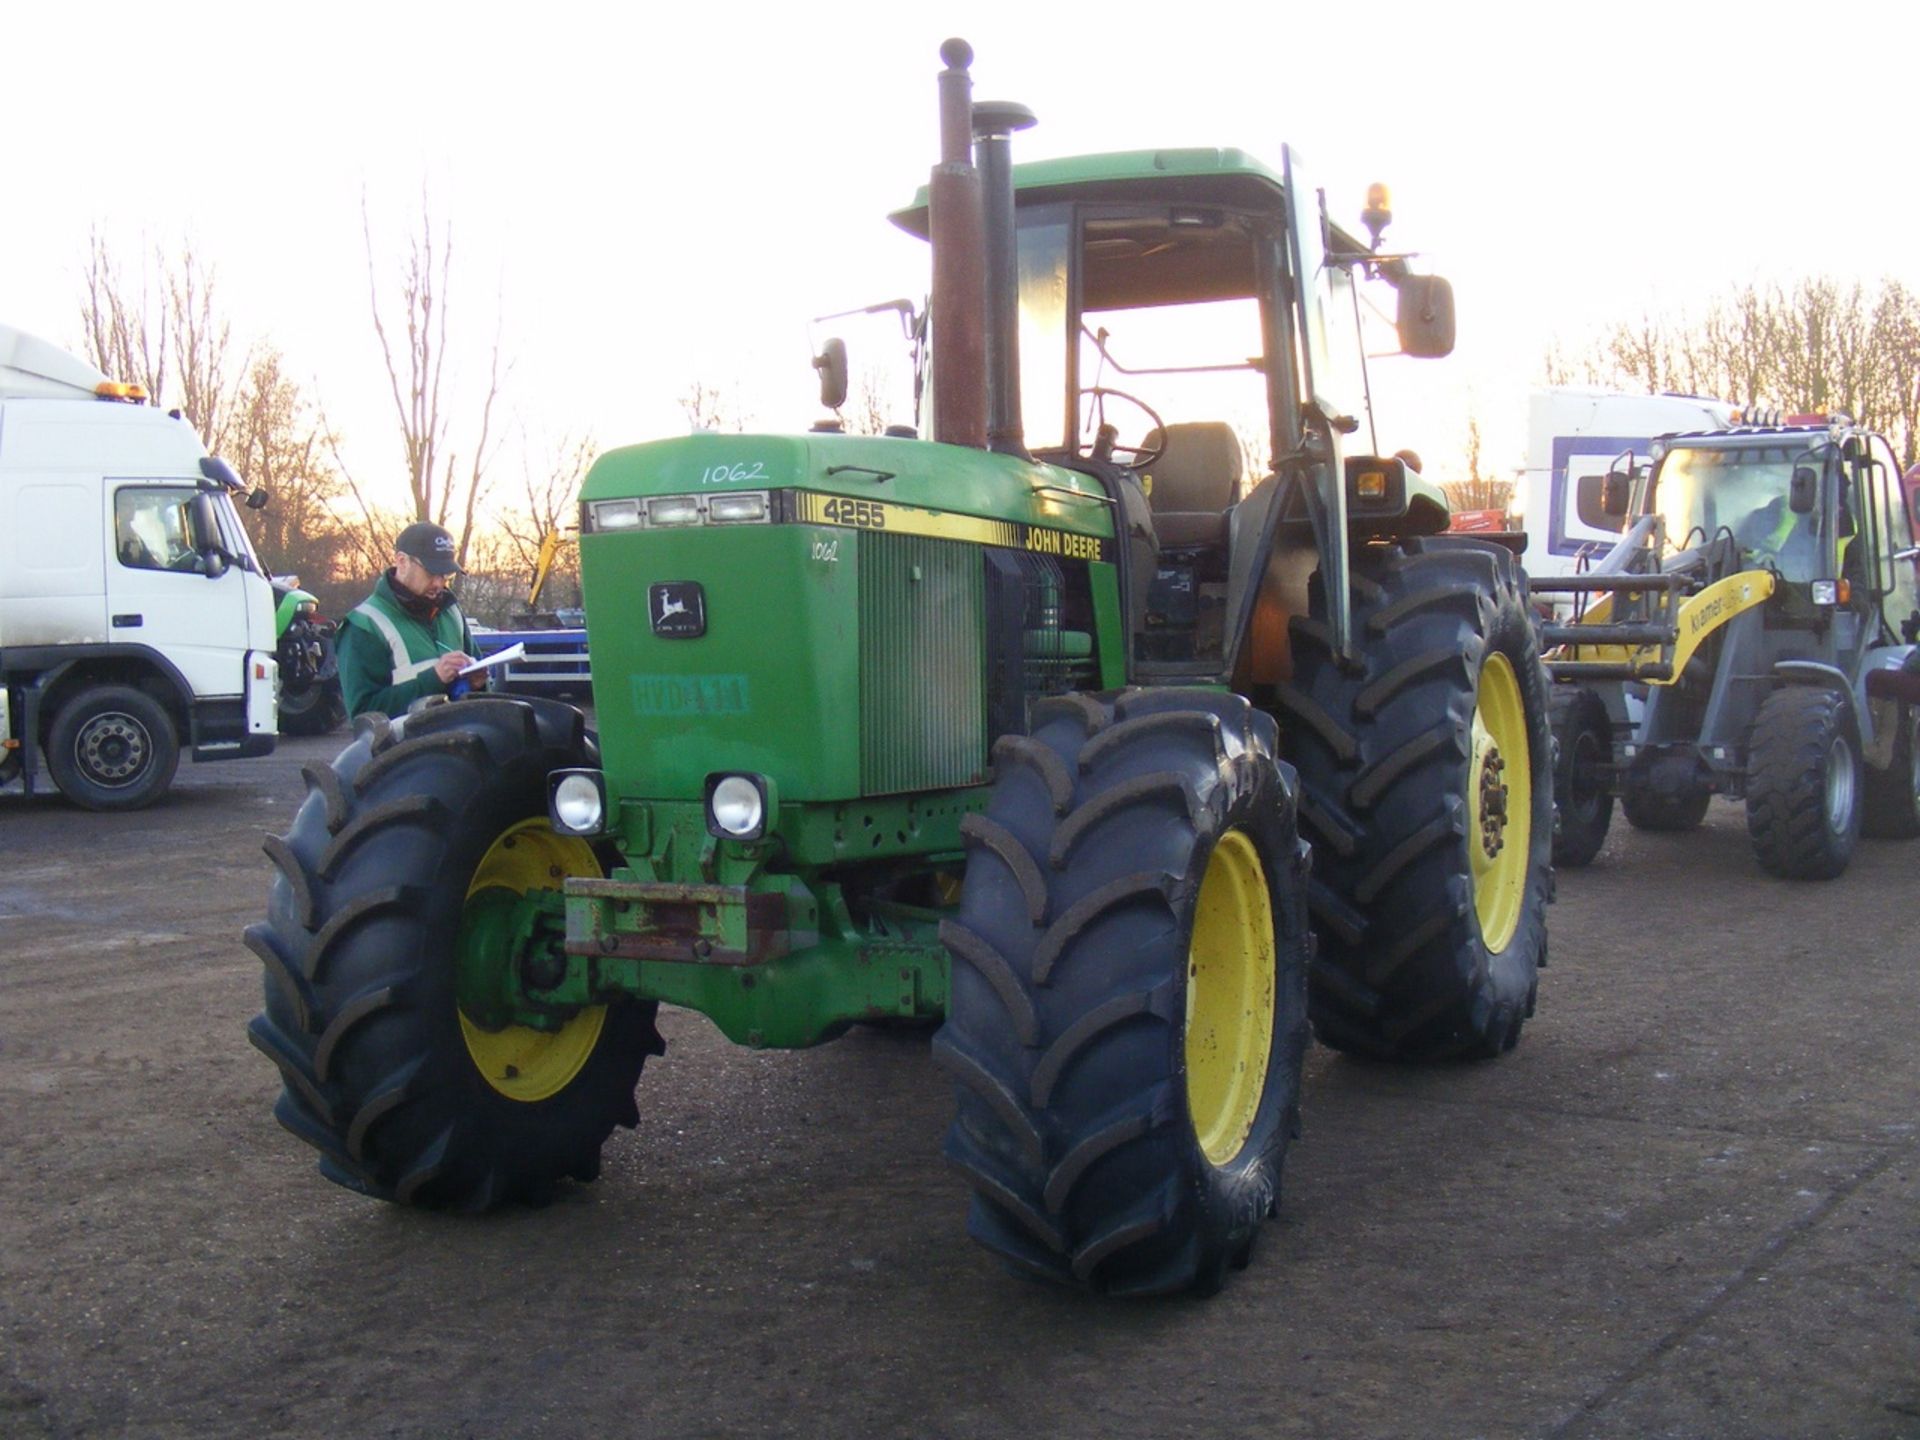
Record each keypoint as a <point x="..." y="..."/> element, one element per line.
<point x="135" y="618"/>
<point x="1573" y="436"/>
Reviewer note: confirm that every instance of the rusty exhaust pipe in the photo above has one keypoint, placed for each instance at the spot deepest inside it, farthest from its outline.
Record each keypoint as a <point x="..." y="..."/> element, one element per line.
<point x="994" y="123"/>
<point x="957" y="230"/>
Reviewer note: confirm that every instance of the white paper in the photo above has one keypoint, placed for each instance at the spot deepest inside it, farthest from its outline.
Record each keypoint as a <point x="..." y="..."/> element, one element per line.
<point x="499" y="657"/>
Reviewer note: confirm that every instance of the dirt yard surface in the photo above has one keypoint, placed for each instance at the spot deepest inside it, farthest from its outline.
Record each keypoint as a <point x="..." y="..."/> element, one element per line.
<point x="1688" y="1205"/>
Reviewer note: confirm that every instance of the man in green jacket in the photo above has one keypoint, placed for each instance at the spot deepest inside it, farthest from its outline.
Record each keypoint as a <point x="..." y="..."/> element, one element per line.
<point x="408" y="639"/>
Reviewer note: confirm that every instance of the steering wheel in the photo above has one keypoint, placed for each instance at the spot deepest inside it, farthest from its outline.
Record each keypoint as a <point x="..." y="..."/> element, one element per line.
<point x="1138" y="456"/>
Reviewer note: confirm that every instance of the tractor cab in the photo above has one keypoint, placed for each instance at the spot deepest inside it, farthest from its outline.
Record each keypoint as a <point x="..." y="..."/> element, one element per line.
<point x="1164" y="349"/>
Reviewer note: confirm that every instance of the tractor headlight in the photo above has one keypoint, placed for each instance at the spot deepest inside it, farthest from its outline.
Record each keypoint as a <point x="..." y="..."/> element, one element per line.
<point x="1826" y="592"/>
<point x="740" y="508"/>
<point x="738" y="806"/>
<point x="672" y="510"/>
<point x="577" y="802"/>
<point x="614" y="514"/>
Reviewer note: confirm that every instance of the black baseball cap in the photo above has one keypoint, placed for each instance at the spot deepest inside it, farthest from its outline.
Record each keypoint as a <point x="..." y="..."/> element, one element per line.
<point x="431" y="546"/>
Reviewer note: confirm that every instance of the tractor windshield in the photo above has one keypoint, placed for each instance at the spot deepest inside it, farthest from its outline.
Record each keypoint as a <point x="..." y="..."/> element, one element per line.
<point x="1169" y="330"/>
<point x="1742" y="490"/>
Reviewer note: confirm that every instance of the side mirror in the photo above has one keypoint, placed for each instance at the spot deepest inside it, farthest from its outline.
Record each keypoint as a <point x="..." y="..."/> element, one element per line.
<point x="258" y="499"/>
<point x="1616" y="492"/>
<point x="1804" y="492"/>
<point x="203" y="529"/>
<point x="1424" y="316"/>
<point x="831" y="362"/>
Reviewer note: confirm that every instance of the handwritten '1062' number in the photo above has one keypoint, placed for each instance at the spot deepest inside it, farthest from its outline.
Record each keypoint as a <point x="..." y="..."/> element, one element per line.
<point x="866" y="514"/>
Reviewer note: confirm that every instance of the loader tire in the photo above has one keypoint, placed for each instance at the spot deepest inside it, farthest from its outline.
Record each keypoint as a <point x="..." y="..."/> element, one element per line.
<point x="1127" y="1016"/>
<point x="374" y="952"/>
<point x="1582" y="761"/>
<point x="112" y="747"/>
<point x="1804" y="781"/>
<point x="1427" y="794"/>
<point x="1659" y="812"/>
<point x="1892" y="808"/>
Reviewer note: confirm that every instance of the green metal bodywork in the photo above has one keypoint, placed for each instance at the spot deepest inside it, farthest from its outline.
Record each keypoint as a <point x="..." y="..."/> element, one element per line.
<point x="854" y="661"/>
<point x="843" y="662"/>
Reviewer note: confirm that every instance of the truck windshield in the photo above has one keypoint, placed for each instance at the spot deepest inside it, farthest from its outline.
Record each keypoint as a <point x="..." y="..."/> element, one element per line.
<point x="233" y="534"/>
<point x="1743" y="490"/>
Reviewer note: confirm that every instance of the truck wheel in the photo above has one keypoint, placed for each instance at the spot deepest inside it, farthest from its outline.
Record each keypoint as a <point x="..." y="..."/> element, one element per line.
<point x="1803" y="784"/>
<point x="1127" y="1016"/>
<point x="1659" y="811"/>
<point x="1892" y="808"/>
<point x="1582" y="764"/>
<point x="1427" y="792"/>
<point x="113" y="747"/>
<point x="384" y="937"/>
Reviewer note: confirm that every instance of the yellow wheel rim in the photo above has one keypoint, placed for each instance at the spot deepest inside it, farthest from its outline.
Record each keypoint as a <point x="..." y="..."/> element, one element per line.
<point x="1230" y="998"/>
<point x="1499" y="804"/>
<point x="520" y="1062"/>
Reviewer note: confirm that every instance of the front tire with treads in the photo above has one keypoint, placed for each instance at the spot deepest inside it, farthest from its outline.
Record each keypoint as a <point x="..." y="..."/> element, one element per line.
<point x="378" y="963"/>
<point x="1426" y="791"/>
<point x="1127" y="1015"/>
<point x="1804" y="779"/>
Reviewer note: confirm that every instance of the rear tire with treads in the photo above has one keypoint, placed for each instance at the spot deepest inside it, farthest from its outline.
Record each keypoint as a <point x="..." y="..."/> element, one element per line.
<point x="1426" y="792"/>
<point x="404" y="1097"/>
<point x="1891" y="808"/>
<point x="1126" y="1046"/>
<point x="1582" y="762"/>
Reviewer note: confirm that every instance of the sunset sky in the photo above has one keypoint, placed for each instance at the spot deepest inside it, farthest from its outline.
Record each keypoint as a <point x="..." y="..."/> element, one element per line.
<point x="655" y="195"/>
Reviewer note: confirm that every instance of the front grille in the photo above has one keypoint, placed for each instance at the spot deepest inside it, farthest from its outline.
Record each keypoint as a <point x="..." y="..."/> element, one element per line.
<point x="923" y="711"/>
<point x="1040" y="635"/>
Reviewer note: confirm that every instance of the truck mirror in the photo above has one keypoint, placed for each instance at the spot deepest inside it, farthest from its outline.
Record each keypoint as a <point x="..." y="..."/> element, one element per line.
<point x="1804" y="491"/>
<point x="1616" y="492"/>
<point x="1424" y="316"/>
<point x="258" y="499"/>
<point x="831" y="362"/>
<point x="203" y="528"/>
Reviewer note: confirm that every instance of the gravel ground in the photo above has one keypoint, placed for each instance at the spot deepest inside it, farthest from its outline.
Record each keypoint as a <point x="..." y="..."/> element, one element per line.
<point x="1688" y="1205"/>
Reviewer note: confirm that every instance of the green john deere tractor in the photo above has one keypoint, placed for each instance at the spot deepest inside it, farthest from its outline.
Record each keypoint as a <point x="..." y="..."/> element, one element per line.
<point x="1027" y="725"/>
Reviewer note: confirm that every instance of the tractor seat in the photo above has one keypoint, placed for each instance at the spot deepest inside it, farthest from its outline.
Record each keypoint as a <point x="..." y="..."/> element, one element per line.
<point x="1193" y="484"/>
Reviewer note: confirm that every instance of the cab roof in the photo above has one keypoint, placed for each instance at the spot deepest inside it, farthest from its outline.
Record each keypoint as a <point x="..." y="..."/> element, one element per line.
<point x="1196" y="176"/>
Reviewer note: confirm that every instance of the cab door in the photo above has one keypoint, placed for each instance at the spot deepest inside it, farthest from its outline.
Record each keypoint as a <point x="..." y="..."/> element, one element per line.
<point x="1893" y="529"/>
<point x="160" y="595"/>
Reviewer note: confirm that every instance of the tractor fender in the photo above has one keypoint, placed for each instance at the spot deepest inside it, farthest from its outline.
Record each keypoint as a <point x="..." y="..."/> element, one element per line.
<point x="1822" y="676"/>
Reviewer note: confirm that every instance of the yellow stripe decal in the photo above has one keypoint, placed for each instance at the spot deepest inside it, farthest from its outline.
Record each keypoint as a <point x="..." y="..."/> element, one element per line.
<point x="812" y="509"/>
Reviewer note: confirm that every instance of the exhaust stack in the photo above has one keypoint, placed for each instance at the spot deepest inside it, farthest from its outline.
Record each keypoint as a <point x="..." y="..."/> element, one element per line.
<point x="956" y="227"/>
<point x="994" y="123"/>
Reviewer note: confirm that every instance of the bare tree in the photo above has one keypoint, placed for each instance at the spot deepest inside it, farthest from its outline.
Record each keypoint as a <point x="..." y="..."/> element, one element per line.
<point x="444" y="484"/>
<point x="166" y="335"/>
<point x="708" y="406"/>
<point x="550" y="492"/>
<point x="124" y="329"/>
<point x="1816" y="347"/>
<point x="275" y="440"/>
